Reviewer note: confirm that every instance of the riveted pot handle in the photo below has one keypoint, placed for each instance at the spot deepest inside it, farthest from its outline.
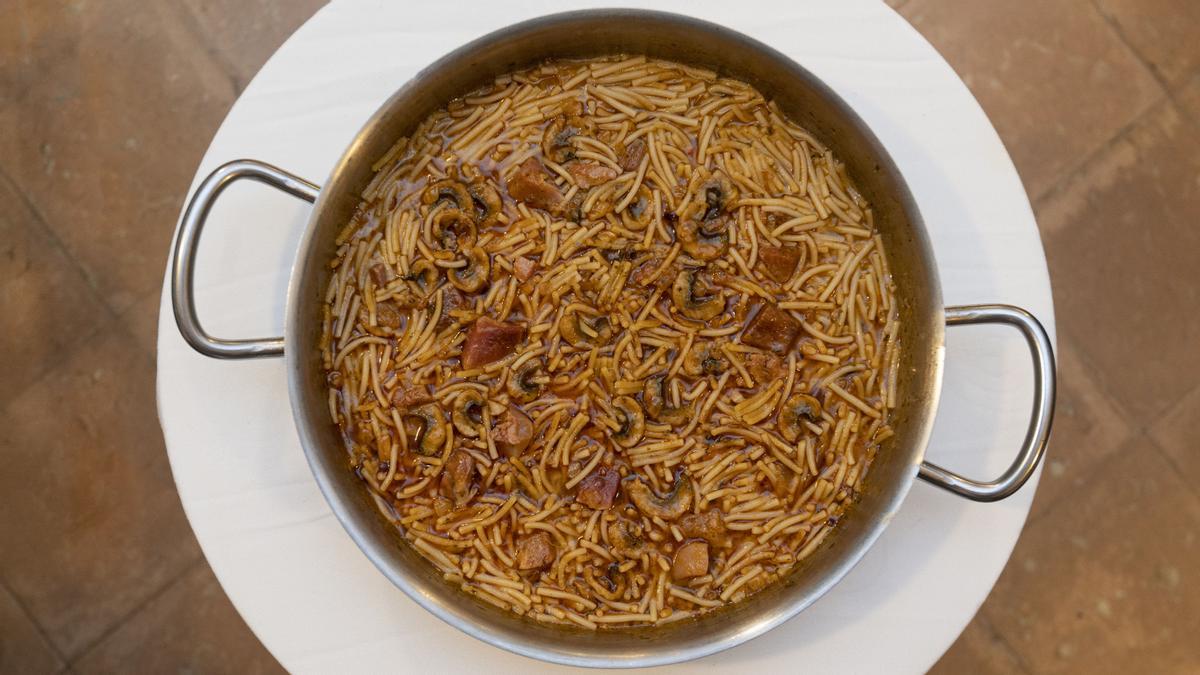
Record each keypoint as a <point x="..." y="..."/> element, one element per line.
<point x="183" y="256"/>
<point x="1034" y="445"/>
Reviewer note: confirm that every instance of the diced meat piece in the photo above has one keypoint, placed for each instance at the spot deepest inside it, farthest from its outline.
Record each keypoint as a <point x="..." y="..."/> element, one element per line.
<point x="452" y="299"/>
<point x="514" y="432"/>
<point x="764" y="368"/>
<point x="534" y="551"/>
<point x="588" y="174"/>
<point x="772" y="329"/>
<point x="387" y="315"/>
<point x="379" y="274"/>
<point x="409" y="396"/>
<point x="691" y="560"/>
<point x="632" y="155"/>
<point x="490" y="340"/>
<point x="779" y="262"/>
<point x="458" y="476"/>
<point x="707" y="526"/>
<point x="598" y="489"/>
<point x="523" y="268"/>
<point x="531" y="185"/>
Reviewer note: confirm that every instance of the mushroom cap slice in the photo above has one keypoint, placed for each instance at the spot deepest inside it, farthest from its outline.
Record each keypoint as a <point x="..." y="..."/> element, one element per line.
<point x="633" y="422"/>
<point x="796" y="409"/>
<point x="449" y="191"/>
<point x="668" y="507"/>
<point x="584" y="330"/>
<point x="525" y="383"/>
<point x="431" y="438"/>
<point x="687" y="294"/>
<point x="467" y="413"/>
<point x="655" y="401"/>
<point x="475" y="275"/>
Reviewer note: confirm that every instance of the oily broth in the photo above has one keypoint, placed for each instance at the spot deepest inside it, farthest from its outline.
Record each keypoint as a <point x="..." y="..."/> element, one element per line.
<point x="612" y="342"/>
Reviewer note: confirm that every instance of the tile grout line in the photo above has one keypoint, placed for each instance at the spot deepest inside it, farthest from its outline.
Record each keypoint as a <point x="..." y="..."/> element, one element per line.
<point x="1166" y="457"/>
<point x="37" y="625"/>
<point x="1004" y="643"/>
<point x="191" y="23"/>
<point x="134" y="611"/>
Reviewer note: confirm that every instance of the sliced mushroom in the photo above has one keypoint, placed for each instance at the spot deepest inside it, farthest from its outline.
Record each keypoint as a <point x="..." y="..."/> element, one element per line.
<point x="705" y="358"/>
<point x="688" y="294"/>
<point x="475" y="275"/>
<point x="449" y="191"/>
<point x="514" y="432"/>
<point x="486" y="202"/>
<point x="668" y="507"/>
<point x="424" y="274"/>
<point x="797" y="409"/>
<point x="526" y="382"/>
<point x="700" y="238"/>
<point x="626" y="539"/>
<point x="691" y="560"/>
<point x="632" y="423"/>
<point x="556" y="139"/>
<point x="585" y="330"/>
<point x="453" y="230"/>
<point x="655" y="400"/>
<point x="716" y="193"/>
<point x="432" y="435"/>
<point x="467" y="414"/>
<point x="640" y="212"/>
<point x="458" y="478"/>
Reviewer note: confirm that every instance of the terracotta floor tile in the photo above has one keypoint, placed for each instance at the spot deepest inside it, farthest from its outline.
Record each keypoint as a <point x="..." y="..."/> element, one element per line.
<point x="22" y="647"/>
<point x="1188" y="96"/>
<point x="1107" y="581"/>
<point x="1179" y="436"/>
<point x="1088" y="428"/>
<point x="48" y="302"/>
<point x="141" y="320"/>
<point x="114" y="103"/>
<point x="92" y="525"/>
<point x="1121" y="239"/>
<point x="245" y="34"/>
<point x="194" y="629"/>
<point x="979" y="651"/>
<point x="1163" y="32"/>
<point x="1054" y="78"/>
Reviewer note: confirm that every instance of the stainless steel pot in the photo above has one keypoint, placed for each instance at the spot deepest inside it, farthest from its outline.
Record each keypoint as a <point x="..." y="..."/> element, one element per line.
<point x="806" y="100"/>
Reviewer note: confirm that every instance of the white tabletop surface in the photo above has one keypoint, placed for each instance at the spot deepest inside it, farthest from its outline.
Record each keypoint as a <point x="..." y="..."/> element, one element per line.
<point x="299" y="581"/>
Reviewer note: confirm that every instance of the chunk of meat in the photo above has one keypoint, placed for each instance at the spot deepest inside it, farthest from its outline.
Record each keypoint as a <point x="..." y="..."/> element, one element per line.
<point x="708" y="526"/>
<point x="772" y="329"/>
<point x="387" y="315"/>
<point x="531" y="185"/>
<point x="764" y="368"/>
<point x="523" y="268"/>
<point x="691" y="560"/>
<point x="534" y="551"/>
<point x="588" y="173"/>
<point x="514" y="432"/>
<point x="409" y="396"/>
<point x="490" y="340"/>
<point x="779" y="262"/>
<point x="379" y="274"/>
<point x="632" y="155"/>
<point x="598" y="489"/>
<point x="458" y="478"/>
<point x="452" y="299"/>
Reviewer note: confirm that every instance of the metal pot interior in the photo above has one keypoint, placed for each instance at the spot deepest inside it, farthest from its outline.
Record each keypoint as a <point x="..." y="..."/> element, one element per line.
<point x="806" y="100"/>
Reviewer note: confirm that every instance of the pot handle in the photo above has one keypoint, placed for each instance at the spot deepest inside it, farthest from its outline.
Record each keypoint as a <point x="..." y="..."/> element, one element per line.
<point x="183" y="256"/>
<point x="1034" y="445"/>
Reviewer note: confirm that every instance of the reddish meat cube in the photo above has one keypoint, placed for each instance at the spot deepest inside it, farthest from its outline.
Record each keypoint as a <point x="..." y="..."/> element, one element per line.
<point x="534" y="551"/>
<point x="531" y="185"/>
<point x="514" y="432"/>
<point x="598" y="489"/>
<point x="779" y="262"/>
<point x="457" y="478"/>
<point x="772" y="329"/>
<point x="523" y="268"/>
<point x="589" y="174"/>
<point x="707" y="526"/>
<point x="632" y="156"/>
<point x="691" y="560"/>
<point x="379" y="274"/>
<point x="490" y="340"/>
<point x="387" y="315"/>
<point x="410" y="396"/>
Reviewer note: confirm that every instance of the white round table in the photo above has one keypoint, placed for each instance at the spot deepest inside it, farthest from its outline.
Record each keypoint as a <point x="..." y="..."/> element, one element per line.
<point x="299" y="581"/>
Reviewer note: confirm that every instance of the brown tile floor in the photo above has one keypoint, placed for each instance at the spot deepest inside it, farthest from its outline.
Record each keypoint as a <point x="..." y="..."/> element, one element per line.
<point x="1098" y="102"/>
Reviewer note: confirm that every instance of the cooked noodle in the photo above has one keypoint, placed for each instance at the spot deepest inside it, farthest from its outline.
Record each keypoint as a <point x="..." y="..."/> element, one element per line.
<point x="612" y="342"/>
